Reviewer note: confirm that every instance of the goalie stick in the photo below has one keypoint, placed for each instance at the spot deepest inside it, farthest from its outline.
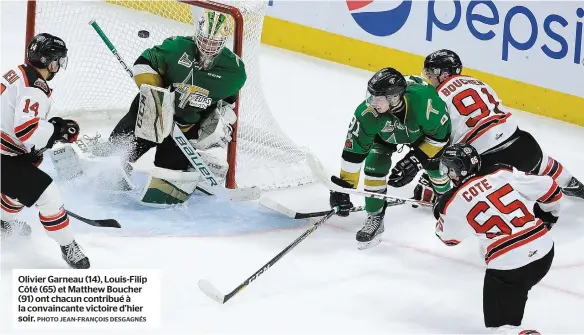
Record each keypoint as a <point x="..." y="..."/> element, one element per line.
<point x="238" y="194"/>
<point x="318" y="171"/>
<point x="214" y="293"/>
<point x="275" y="206"/>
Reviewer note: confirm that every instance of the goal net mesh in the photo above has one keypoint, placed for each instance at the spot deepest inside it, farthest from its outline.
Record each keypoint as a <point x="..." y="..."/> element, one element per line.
<point x="94" y="85"/>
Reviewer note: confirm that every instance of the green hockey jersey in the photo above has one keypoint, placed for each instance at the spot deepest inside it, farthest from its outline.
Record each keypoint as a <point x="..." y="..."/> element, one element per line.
<point x="175" y="60"/>
<point x="424" y="125"/>
<point x="425" y="116"/>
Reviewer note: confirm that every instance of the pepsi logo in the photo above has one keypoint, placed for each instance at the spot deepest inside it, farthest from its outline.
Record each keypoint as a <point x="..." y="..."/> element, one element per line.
<point x="380" y="18"/>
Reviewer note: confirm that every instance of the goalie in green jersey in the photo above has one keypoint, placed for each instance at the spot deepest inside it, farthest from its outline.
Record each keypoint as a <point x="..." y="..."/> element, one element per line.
<point x="397" y="110"/>
<point x="202" y="78"/>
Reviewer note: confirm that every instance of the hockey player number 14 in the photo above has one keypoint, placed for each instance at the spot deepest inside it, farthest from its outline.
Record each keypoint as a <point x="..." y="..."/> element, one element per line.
<point x="495" y="220"/>
<point x="31" y="107"/>
<point x="477" y="104"/>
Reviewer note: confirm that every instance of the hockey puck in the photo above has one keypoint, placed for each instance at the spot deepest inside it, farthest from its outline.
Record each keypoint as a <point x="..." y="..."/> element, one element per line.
<point x="143" y="34"/>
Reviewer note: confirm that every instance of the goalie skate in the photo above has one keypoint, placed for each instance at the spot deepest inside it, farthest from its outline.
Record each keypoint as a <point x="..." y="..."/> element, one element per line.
<point x="370" y="235"/>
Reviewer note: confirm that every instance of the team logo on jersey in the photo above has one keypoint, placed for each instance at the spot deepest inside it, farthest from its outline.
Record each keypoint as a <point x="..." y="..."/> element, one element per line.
<point x="184" y="60"/>
<point x="42" y="85"/>
<point x="349" y="143"/>
<point x="194" y="95"/>
<point x="388" y="128"/>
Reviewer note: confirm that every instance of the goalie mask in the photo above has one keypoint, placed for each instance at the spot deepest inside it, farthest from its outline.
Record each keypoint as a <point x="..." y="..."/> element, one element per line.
<point x="212" y="31"/>
<point x="460" y="162"/>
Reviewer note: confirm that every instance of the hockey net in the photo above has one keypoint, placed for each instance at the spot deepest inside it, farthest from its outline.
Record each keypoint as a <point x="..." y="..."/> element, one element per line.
<point x="94" y="84"/>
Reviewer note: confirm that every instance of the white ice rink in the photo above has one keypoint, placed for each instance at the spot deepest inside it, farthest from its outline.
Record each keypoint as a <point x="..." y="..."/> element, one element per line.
<point x="410" y="283"/>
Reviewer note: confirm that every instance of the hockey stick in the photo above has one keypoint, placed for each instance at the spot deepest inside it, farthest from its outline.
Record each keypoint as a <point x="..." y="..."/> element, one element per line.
<point x="275" y="206"/>
<point x="246" y="193"/>
<point x="106" y="223"/>
<point x="318" y="171"/>
<point x="214" y="293"/>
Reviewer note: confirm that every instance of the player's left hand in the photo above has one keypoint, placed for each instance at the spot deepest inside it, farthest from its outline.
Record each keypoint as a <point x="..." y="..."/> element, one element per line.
<point x="404" y="171"/>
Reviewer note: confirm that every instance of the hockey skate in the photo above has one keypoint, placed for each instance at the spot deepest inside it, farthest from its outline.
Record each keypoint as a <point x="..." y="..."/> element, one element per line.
<point x="369" y="235"/>
<point x="74" y="257"/>
<point x="574" y="188"/>
<point x="14" y="227"/>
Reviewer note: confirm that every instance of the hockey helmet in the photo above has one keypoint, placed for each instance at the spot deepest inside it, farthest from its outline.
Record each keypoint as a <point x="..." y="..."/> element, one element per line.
<point x="442" y="61"/>
<point x="212" y="31"/>
<point x="387" y="83"/>
<point x="460" y="162"/>
<point x="46" y="51"/>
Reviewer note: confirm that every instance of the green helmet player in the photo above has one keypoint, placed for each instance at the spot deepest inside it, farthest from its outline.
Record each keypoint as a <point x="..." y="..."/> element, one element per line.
<point x="397" y="110"/>
<point x="204" y="78"/>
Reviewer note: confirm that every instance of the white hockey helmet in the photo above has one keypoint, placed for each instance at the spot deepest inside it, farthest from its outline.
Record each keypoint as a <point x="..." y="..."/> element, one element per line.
<point x="213" y="29"/>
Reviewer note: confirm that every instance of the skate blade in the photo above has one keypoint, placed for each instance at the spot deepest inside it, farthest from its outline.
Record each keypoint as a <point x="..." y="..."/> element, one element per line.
<point x="369" y="244"/>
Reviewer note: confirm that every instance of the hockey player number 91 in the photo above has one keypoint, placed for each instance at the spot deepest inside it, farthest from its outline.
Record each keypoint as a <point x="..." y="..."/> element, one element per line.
<point x="496" y="220"/>
<point x="477" y="104"/>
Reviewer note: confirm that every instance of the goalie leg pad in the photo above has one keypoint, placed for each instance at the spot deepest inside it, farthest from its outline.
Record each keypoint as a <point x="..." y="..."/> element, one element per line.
<point x="169" y="187"/>
<point x="155" y="113"/>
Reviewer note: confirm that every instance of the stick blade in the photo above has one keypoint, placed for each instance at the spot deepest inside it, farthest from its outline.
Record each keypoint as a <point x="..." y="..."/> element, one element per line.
<point x="275" y="206"/>
<point x="211" y="291"/>
<point x="110" y="223"/>
<point x="244" y="194"/>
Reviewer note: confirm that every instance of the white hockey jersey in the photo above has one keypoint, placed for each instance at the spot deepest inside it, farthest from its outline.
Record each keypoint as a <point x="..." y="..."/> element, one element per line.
<point x="26" y="102"/>
<point x="478" y="117"/>
<point x="497" y="207"/>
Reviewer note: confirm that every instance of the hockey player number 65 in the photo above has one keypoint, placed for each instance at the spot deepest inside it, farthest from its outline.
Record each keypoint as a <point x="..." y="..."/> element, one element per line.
<point x="495" y="220"/>
<point x="477" y="104"/>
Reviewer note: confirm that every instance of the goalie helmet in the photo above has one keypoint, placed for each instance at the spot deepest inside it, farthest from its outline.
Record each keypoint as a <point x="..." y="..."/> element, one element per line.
<point x="389" y="83"/>
<point x="46" y="51"/>
<point x="442" y="61"/>
<point x="460" y="162"/>
<point x="212" y="31"/>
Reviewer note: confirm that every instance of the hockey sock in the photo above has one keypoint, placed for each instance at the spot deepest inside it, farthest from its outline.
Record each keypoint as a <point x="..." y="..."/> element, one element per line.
<point x="554" y="169"/>
<point x="10" y="208"/>
<point x="53" y="215"/>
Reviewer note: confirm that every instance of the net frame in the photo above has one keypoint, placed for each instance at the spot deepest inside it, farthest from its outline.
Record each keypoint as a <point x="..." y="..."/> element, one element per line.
<point x="238" y="47"/>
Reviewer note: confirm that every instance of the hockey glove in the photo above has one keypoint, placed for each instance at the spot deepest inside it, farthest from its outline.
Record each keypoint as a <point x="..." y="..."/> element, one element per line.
<point x="424" y="190"/>
<point x="548" y="218"/>
<point x="35" y="156"/>
<point x="65" y="131"/>
<point x="341" y="199"/>
<point x="404" y="171"/>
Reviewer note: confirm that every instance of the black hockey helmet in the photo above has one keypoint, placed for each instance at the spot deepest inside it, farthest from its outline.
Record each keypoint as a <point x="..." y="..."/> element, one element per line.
<point x="460" y="161"/>
<point x="441" y="61"/>
<point x="44" y="49"/>
<point x="387" y="82"/>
